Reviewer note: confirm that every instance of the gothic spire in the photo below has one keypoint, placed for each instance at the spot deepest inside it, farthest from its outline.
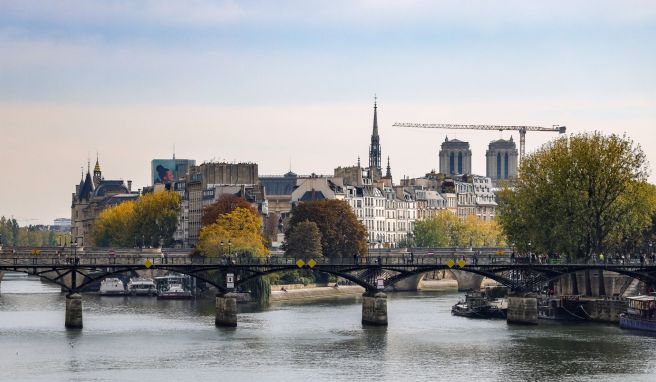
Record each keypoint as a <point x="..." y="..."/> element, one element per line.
<point x="374" y="148"/>
<point x="388" y="174"/>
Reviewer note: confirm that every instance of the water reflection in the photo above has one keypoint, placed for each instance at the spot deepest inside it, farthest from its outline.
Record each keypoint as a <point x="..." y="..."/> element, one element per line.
<point x="148" y="339"/>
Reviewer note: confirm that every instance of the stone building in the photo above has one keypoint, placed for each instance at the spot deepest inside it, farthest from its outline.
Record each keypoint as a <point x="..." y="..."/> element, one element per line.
<point x="501" y="159"/>
<point x="90" y="198"/>
<point x="226" y="173"/>
<point x="455" y="157"/>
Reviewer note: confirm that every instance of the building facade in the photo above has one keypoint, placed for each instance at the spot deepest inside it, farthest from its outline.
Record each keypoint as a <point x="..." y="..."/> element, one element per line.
<point x="501" y="160"/>
<point x="455" y="157"/>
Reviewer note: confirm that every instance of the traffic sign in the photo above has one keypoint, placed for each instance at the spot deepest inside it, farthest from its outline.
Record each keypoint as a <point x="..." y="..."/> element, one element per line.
<point x="461" y="263"/>
<point x="230" y="280"/>
<point x="312" y="263"/>
<point x="148" y="263"/>
<point x="450" y="263"/>
<point x="300" y="263"/>
<point x="380" y="283"/>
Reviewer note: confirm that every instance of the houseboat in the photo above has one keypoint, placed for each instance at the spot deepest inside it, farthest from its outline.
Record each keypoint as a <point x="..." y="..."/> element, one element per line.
<point x="112" y="286"/>
<point x="174" y="287"/>
<point x="640" y="313"/>
<point x="487" y="303"/>
<point x="174" y="292"/>
<point x="141" y="287"/>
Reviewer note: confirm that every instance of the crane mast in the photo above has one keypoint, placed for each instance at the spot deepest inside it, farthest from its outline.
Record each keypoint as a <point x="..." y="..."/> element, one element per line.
<point x="522" y="130"/>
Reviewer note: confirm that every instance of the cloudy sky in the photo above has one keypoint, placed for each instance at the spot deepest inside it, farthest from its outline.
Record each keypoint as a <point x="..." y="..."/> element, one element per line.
<point x="292" y="82"/>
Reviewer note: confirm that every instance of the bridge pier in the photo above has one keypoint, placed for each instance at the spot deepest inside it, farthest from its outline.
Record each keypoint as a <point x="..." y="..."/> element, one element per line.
<point x="226" y="310"/>
<point x="73" y="311"/>
<point x="522" y="310"/>
<point x="374" y="308"/>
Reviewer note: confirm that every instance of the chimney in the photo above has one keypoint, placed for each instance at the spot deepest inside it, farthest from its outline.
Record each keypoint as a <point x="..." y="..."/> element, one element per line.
<point x="129" y="186"/>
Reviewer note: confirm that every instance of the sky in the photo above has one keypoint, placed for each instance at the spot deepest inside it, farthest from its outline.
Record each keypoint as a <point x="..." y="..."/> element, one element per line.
<point x="291" y="84"/>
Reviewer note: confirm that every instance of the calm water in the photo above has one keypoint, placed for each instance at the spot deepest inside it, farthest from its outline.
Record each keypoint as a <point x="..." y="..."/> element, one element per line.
<point x="142" y="339"/>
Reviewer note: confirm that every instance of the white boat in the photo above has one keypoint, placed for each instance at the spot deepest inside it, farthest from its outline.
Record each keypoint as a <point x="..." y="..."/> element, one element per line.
<point x="174" y="291"/>
<point x="112" y="286"/>
<point x="141" y="287"/>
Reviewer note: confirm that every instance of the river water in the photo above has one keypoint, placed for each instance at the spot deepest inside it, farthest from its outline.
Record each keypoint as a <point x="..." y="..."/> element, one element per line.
<point x="143" y="339"/>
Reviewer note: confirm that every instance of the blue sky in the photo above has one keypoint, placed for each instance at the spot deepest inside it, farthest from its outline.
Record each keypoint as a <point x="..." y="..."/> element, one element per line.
<point x="279" y="81"/>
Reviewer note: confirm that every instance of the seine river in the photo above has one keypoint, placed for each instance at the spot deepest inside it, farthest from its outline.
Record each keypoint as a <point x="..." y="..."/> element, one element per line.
<point x="142" y="339"/>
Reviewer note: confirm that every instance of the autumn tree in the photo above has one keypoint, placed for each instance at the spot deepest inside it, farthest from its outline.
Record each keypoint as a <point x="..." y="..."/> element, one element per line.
<point x="342" y="235"/>
<point x="115" y="226"/>
<point x="224" y="205"/>
<point x="579" y="195"/>
<point x="241" y="227"/>
<point x="150" y="220"/>
<point x="304" y="240"/>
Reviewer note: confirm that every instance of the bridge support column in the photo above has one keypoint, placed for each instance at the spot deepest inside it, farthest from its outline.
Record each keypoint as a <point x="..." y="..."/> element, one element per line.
<point x="226" y="310"/>
<point x="522" y="310"/>
<point x="374" y="308"/>
<point x="602" y="285"/>
<point x="73" y="311"/>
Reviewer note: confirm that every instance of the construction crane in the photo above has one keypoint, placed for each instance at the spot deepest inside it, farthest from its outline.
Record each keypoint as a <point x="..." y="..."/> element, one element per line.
<point x="522" y="130"/>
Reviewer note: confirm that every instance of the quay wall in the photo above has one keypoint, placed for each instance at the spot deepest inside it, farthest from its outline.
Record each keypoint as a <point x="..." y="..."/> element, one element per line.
<point x="302" y="292"/>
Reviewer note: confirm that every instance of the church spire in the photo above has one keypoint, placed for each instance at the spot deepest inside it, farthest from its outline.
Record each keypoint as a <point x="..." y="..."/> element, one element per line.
<point x="97" y="174"/>
<point x="388" y="174"/>
<point x="374" y="148"/>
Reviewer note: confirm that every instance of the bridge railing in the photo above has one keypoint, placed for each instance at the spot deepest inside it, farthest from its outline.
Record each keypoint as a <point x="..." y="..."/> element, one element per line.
<point x="243" y="260"/>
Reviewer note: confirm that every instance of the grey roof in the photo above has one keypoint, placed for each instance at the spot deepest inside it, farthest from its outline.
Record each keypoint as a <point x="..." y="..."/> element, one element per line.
<point x="87" y="188"/>
<point x="110" y="187"/>
<point x="279" y="185"/>
<point x="118" y="199"/>
<point x="312" y="195"/>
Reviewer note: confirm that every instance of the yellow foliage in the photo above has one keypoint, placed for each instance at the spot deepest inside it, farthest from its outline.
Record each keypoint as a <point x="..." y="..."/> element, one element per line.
<point x="114" y="225"/>
<point x="241" y="227"/>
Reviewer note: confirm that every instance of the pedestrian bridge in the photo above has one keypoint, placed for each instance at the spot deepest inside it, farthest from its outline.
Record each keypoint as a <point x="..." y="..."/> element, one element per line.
<point x="74" y="271"/>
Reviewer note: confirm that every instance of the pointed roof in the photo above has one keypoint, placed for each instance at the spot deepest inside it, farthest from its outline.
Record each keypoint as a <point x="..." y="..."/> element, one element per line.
<point x="97" y="167"/>
<point x="375" y="132"/>
<point x="389" y="171"/>
<point x="87" y="188"/>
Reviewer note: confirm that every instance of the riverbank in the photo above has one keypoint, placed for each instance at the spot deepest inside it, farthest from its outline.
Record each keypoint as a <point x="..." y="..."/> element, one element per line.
<point x="296" y="292"/>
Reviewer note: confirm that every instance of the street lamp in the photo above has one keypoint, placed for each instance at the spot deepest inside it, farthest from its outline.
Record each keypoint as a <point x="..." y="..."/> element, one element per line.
<point x="229" y="246"/>
<point x="221" y="247"/>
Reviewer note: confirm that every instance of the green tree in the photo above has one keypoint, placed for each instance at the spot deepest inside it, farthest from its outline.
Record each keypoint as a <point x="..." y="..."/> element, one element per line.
<point x="578" y="195"/>
<point x="156" y="217"/>
<point x="342" y="235"/>
<point x="304" y="240"/>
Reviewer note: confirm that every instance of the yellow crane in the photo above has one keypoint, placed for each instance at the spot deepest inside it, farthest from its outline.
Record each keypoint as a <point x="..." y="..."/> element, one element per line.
<point x="522" y="130"/>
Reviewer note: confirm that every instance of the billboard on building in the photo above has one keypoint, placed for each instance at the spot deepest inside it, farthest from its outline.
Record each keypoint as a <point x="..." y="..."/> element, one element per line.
<point x="163" y="171"/>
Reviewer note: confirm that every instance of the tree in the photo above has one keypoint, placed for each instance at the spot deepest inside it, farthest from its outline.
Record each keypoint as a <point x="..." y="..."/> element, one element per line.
<point x="115" y="226"/>
<point x="224" y="205"/>
<point x="156" y="217"/>
<point x="304" y="240"/>
<point x="241" y="227"/>
<point x="447" y="230"/>
<point x="151" y="221"/>
<point x="342" y="235"/>
<point x="578" y="195"/>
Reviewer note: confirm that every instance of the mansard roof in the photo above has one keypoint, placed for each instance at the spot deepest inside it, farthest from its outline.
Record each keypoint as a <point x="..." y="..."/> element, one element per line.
<point x="110" y="187"/>
<point x="312" y="196"/>
<point x="279" y="185"/>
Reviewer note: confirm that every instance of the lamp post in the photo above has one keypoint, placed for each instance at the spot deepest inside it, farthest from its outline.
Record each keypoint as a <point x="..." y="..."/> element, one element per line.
<point x="229" y="247"/>
<point x="221" y="247"/>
